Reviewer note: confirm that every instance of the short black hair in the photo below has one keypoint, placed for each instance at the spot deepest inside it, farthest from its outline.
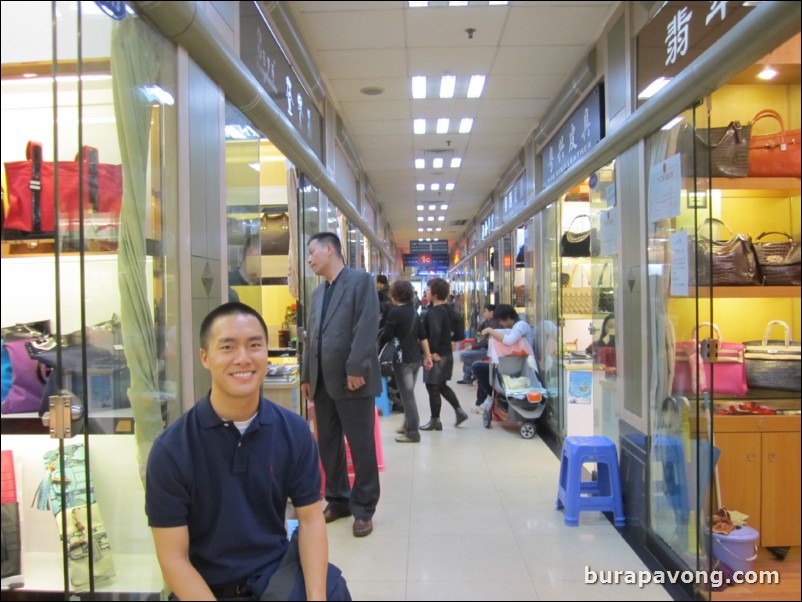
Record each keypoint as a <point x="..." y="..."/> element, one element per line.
<point x="227" y="309"/>
<point x="504" y="311"/>
<point x="328" y="238"/>
<point x="491" y="307"/>
<point x="382" y="279"/>
<point x="439" y="288"/>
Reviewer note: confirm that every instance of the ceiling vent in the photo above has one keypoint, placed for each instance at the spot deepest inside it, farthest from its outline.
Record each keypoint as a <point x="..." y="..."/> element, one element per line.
<point x="459" y="222"/>
<point x="437" y="151"/>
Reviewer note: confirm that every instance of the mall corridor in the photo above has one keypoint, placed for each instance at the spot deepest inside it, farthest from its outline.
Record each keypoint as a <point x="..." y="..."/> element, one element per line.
<point x="468" y="514"/>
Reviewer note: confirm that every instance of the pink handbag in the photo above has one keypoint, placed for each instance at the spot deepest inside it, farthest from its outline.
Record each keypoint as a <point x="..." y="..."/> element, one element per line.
<point x="722" y="372"/>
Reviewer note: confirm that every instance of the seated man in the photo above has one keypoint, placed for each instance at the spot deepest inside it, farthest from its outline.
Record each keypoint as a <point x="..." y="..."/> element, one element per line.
<point x="219" y="477"/>
<point x="479" y="349"/>
<point x="511" y="329"/>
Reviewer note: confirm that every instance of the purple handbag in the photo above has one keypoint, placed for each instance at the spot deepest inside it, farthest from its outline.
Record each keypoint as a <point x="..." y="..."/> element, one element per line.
<point x="27" y="387"/>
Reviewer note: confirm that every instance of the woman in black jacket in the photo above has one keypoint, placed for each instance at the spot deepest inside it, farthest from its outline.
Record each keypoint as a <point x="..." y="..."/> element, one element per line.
<point x="438" y="360"/>
<point x="402" y="321"/>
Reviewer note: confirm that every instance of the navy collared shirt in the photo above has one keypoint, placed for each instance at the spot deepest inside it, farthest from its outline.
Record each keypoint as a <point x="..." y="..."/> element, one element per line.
<point x="231" y="490"/>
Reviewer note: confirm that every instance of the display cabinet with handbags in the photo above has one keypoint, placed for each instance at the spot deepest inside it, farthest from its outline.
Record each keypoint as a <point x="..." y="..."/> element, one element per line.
<point x="731" y="275"/>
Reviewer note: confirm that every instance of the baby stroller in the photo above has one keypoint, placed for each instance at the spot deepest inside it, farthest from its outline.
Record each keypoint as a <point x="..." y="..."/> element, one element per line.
<point x="517" y="392"/>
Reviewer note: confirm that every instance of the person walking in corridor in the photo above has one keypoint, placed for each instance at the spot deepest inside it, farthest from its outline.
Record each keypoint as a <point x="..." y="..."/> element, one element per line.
<point x="438" y="360"/>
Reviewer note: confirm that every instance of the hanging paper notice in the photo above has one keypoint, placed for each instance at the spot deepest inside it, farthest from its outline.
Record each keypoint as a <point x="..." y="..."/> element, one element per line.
<point x="608" y="224"/>
<point x="611" y="195"/>
<point x="679" y="264"/>
<point x="665" y="187"/>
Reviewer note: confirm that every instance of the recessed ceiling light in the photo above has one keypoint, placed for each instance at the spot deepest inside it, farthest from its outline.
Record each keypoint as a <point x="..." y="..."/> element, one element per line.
<point x="437" y="163"/>
<point x="441" y="218"/>
<point x="420" y="163"/>
<point x="419" y="126"/>
<point x="372" y="90"/>
<point x="420" y="187"/>
<point x="442" y="125"/>
<point x="476" y="86"/>
<point x="465" y="125"/>
<point x="419" y="86"/>
<point x="443" y="207"/>
<point x="654" y="87"/>
<point x="768" y="73"/>
<point x="447" y="85"/>
<point x="420" y="207"/>
<point x="456" y="162"/>
<point x="432" y="207"/>
<point x="435" y="187"/>
<point x="420" y="218"/>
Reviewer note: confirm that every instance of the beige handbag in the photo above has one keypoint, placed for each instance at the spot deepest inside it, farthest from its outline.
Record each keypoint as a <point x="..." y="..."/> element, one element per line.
<point x="577" y="296"/>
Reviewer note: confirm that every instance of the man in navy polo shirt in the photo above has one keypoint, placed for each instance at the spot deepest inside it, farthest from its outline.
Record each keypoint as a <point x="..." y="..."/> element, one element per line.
<point x="218" y="479"/>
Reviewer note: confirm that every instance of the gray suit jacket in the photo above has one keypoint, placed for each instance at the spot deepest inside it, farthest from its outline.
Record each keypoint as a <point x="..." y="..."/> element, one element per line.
<point x="349" y="334"/>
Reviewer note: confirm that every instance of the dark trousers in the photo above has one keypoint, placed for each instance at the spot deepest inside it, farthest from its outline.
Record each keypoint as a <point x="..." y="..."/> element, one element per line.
<point x="436" y="392"/>
<point x="405" y="377"/>
<point x="354" y="418"/>
<point x="482" y="372"/>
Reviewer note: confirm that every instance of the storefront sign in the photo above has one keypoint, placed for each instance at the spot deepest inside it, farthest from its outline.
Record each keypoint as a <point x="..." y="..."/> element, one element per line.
<point x="426" y="260"/>
<point x="678" y="34"/>
<point x="431" y="246"/>
<point x="262" y="55"/>
<point x="577" y="136"/>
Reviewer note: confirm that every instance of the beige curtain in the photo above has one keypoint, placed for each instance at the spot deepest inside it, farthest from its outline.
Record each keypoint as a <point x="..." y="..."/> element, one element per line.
<point x="135" y="62"/>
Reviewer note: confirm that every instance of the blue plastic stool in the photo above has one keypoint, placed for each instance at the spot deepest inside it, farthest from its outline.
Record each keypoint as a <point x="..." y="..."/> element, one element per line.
<point x="603" y="495"/>
<point x="383" y="401"/>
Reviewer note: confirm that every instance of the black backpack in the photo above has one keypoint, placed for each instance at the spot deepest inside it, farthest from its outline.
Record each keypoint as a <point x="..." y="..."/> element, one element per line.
<point x="457" y="323"/>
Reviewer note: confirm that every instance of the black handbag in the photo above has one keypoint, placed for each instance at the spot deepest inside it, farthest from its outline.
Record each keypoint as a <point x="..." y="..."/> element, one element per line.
<point x="604" y="296"/>
<point x="780" y="262"/>
<point x="724" y="149"/>
<point x="576" y="243"/>
<point x="390" y="355"/>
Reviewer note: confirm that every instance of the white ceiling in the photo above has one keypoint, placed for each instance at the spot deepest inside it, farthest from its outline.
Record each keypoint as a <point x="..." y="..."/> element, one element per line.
<point x="527" y="49"/>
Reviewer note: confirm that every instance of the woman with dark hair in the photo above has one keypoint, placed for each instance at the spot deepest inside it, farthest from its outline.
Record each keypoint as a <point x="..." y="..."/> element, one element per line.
<point x="403" y="322"/>
<point x="438" y="361"/>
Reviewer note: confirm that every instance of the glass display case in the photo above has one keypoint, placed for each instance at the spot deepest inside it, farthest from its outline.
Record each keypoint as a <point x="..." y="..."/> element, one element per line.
<point x="89" y="300"/>
<point x="724" y="295"/>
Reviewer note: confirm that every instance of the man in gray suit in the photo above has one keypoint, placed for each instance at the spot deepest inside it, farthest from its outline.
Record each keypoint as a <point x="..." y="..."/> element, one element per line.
<point x="340" y="373"/>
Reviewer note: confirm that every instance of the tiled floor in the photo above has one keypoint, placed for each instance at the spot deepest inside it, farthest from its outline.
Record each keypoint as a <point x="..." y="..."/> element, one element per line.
<point x="468" y="514"/>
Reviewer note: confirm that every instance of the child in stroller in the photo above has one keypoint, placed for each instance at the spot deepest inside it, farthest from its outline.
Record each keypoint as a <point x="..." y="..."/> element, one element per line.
<point x="517" y="392"/>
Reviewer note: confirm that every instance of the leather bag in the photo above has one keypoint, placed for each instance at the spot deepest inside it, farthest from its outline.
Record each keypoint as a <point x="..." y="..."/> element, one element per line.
<point x="774" y="364"/>
<point x="720" y="152"/>
<point x="274" y="233"/>
<point x="780" y="262"/>
<point x="700" y="368"/>
<point x="604" y="296"/>
<point x="774" y="155"/>
<point x="390" y="355"/>
<point x="733" y="261"/>
<point x="576" y="243"/>
<point x="98" y="187"/>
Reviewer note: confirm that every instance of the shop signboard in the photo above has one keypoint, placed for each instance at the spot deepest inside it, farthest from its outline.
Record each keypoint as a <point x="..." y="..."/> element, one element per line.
<point x="261" y="53"/>
<point x="428" y="246"/>
<point x="426" y="260"/>
<point x="583" y="130"/>
<point x="677" y="35"/>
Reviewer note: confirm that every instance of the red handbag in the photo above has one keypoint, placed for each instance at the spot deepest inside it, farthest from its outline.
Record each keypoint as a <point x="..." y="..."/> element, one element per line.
<point x="32" y="188"/>
<point x="774" y="155"/>
<point x="722" y="373"/>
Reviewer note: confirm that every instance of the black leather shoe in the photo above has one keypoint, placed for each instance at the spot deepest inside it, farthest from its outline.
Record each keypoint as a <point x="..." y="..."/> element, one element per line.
<point x="433" y="425"/>
<point x="363" y="527"/>
<point x="461" y="416"/>
<point x="332" y="513"/>
<point x="464" y="382"/>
